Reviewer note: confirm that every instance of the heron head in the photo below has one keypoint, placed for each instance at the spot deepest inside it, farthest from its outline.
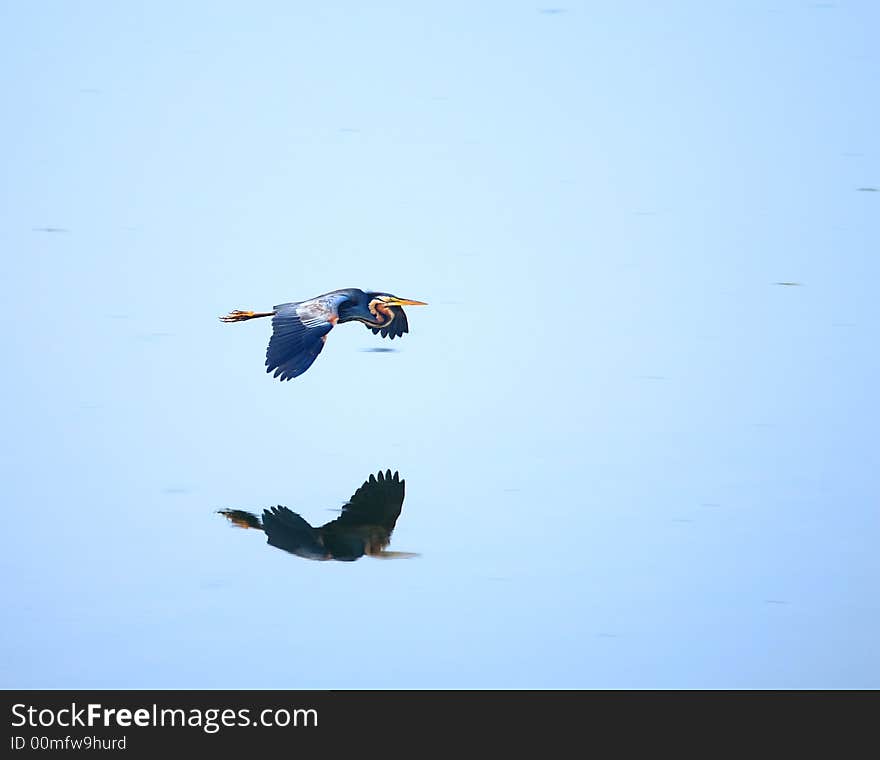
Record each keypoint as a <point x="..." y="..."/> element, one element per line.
<point x="384" y="307"/>
<point x="386" y="299"/>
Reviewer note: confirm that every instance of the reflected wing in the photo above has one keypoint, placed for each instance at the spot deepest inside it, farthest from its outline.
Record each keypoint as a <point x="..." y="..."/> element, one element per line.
<point x="299" y="331"/>
<point x="398" y="325"/>
<point x="367" y="519"/>
<point x="288" y="531"/>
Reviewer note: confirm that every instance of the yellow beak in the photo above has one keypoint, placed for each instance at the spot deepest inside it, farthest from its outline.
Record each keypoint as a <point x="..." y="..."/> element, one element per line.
<point x="404" y="302"/>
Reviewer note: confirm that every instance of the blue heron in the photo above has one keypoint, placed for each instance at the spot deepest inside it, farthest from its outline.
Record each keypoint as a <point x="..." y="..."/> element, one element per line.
<point x="299" y="329"/>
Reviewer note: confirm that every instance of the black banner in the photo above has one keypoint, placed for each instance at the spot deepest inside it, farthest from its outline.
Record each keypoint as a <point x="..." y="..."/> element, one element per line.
<point x="144" y="723"/>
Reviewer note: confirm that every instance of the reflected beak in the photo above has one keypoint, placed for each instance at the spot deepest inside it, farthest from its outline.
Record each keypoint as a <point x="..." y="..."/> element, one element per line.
<point x="395" y="301"/>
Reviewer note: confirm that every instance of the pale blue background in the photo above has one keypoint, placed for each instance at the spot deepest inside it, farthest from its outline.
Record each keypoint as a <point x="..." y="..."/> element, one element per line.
<point x="631" y="459"/>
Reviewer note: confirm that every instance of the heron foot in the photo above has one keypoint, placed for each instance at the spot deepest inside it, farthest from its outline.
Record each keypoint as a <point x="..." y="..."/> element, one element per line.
<point x="240" y="316"/>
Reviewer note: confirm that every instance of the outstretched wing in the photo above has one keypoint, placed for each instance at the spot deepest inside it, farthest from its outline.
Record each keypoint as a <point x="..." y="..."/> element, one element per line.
<point x="377" y="503"/>
<point x="398" y="325"/>
<point x="299" y="331"/>
<point x="288" y="531"/>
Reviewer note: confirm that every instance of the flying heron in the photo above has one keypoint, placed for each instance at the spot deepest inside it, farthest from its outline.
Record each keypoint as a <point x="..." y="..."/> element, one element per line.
<point x="364" y="527"/>
<point x="299" y="329"/>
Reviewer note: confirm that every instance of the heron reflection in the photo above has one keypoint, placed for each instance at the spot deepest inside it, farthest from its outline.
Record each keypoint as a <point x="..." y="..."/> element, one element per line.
<point x="364" y="526"/>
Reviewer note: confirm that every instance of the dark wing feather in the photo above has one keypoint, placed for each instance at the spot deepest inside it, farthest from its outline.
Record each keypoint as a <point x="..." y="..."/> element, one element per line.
<point x="288" y="531"/>
<point x="298" y="334"/>
<point x="398" y="325"/>
<point x="377" y="502"/>
<point x="367" y="519"/>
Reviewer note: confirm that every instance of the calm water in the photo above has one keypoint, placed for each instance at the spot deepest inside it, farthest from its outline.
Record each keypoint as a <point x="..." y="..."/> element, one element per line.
<point x="633" y="456"/>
